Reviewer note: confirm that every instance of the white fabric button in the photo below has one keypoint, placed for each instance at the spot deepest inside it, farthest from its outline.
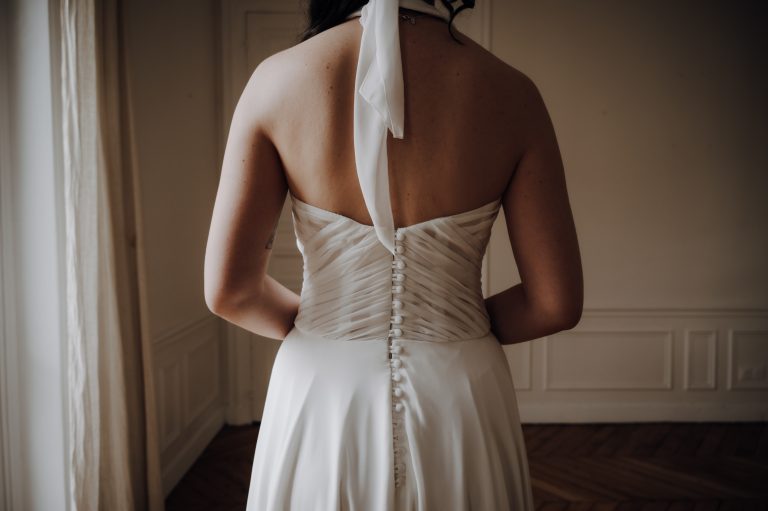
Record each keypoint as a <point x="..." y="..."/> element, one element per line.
<point x="397" y="304"/>
<point x="399" y="249"/>
<point x="397" y="349"/>
<point x="398" y="392"/>
<point x="397" y="320"/>
<point x="400" y="264"/>
<point x="397" y="332"/>
<point x="399" y="277"/>
<point x="397" y="289"/>
<point x="397" y="362"/>
<point x="399" y="235"/>
<point x="396" y="376"/>
<point x="399" y="407"/>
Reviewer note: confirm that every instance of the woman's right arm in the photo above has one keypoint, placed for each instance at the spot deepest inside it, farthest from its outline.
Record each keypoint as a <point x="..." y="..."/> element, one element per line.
<point x="543" y="236"/>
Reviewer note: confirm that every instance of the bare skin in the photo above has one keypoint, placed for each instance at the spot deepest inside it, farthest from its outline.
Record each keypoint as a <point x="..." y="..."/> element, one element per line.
<point x="476" y="129"/>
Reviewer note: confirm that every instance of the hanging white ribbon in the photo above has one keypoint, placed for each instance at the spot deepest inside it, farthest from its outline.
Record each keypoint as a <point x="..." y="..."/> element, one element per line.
<point x="380" y="105"/>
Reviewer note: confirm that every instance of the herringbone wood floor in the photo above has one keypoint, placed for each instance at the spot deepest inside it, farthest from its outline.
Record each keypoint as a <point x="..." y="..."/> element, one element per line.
<point x="596" y="467"/>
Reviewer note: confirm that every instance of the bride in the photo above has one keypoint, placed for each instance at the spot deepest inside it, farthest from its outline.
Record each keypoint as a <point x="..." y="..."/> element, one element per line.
<point x="399" y="141"/>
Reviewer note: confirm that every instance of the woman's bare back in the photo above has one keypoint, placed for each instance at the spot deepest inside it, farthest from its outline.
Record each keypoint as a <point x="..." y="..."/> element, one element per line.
<point x="476" y="129"/>
<point x="461" y="107"/>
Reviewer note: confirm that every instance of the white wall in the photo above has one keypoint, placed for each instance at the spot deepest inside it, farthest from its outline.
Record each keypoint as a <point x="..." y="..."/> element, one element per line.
<point x="661" y="114"/>
<point x="34" y="364"/>
<point x="173" y="77"/>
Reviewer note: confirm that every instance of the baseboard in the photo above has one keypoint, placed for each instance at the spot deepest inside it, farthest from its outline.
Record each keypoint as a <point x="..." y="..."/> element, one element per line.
<point x="642" y="412"/>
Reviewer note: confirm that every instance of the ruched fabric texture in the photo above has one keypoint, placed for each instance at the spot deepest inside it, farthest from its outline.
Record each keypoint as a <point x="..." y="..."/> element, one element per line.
<point x="349" y="287"/>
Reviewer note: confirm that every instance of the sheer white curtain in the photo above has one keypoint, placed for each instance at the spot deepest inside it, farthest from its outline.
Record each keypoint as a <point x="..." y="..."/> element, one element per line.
<point x="114" y="461"/>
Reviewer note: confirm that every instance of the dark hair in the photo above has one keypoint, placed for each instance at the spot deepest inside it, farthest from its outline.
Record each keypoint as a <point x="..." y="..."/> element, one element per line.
<point x="324" y="14"/>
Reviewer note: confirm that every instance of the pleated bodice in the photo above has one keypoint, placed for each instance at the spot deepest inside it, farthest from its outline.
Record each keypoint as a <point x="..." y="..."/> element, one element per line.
<point x="429" y="289"/>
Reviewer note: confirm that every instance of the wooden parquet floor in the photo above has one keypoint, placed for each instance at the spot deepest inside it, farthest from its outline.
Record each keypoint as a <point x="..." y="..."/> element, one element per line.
<point x="664" y="466"/>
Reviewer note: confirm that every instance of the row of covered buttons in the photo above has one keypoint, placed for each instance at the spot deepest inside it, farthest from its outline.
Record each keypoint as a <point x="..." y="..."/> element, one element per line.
<point x="395" y="349"/>
<point x="397" y="288"/>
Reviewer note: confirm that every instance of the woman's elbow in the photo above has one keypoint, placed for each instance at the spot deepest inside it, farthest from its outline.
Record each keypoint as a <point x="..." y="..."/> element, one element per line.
<point x="226" y="297"/>
<point x="217" y="301"/>
<point x="568" y="318"/>
<point x="568" y="313"/>
<point x="221" y="300"/>
<point x="564" y="314"/>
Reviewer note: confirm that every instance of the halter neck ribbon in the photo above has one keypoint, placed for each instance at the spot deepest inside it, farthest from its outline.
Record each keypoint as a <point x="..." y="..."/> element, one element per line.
<point x="379" y="104"/>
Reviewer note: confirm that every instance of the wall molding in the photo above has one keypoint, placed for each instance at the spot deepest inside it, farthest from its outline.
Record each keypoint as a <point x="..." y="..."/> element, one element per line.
<point x="175" y="468"/>
<point x="688" y="374"/>
<point x="188" y="417"/>
<point x="181" y="330"/>
<point x="520" y="361"/>
<point x="239" y="408"/>
<point x="753" y="377"/>
<point x="196" y="410"/>
<point x="591" y="383"/>
<point x="708" y="338"/>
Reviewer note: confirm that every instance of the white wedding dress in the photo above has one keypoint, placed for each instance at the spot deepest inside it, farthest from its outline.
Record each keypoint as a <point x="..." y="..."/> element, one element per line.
<point x="390" y="393"/>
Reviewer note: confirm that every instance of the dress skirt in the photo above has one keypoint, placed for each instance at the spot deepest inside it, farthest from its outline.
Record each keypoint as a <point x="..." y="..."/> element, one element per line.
<point x="335" y="437"/>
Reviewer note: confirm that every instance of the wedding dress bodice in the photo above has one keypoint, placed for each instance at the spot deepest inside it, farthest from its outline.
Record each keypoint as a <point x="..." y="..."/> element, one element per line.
<point x="429" y="289"/>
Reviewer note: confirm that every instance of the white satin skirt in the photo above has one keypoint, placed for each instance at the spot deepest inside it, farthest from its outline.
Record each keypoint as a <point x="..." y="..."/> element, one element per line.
<point x="332" y="436"/>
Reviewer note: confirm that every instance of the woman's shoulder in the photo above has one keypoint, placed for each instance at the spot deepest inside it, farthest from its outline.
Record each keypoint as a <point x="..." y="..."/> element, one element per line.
<point x="280" y="79"/>
<point x="288" y="70"/>
<point x="329" y="58"/>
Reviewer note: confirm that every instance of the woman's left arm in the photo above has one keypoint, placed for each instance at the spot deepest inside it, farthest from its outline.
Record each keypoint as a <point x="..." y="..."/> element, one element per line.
<point x="250" y="197"/>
